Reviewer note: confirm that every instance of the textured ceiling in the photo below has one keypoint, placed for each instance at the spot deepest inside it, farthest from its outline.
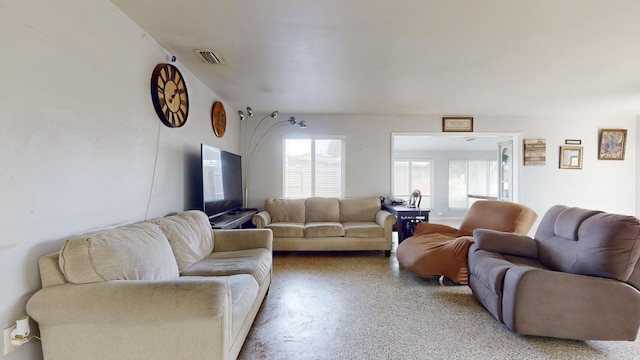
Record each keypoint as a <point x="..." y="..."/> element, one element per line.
<point x="446" y="57"/>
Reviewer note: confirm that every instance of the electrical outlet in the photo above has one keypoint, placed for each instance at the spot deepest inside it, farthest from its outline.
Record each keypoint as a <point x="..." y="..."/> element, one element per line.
<point x="8" y="347"/>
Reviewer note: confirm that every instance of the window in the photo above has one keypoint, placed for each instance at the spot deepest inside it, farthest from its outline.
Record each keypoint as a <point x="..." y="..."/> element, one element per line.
<point x="409" y="175"/>
<point x="313" y="167"/>
<point x="471" y="177"/>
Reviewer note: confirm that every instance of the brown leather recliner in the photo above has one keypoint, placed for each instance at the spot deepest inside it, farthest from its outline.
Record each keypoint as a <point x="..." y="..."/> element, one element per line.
<point x="436" y="249"/>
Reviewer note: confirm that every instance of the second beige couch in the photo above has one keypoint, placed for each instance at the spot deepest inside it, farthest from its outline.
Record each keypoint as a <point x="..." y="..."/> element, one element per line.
<point x="327" y="224"/>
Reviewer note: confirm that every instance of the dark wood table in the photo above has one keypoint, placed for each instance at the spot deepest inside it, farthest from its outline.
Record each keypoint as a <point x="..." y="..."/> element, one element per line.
<point x="233" y="219"/>
<point x="406" y="218"/>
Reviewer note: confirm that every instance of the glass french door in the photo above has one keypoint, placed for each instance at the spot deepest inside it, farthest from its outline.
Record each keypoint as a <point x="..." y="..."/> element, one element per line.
<point x="505" y="174"/>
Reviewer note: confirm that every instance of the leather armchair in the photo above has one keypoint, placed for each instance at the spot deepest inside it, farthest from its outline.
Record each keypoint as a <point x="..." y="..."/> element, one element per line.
<point x="436" y="249"/>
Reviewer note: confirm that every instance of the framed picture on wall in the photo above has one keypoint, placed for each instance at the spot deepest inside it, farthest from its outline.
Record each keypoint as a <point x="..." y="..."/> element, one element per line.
<point x="535" y="152"/>
<point x="570" y="157"/>
<point x="457" y="124"/>
<point x="612" y="143"/>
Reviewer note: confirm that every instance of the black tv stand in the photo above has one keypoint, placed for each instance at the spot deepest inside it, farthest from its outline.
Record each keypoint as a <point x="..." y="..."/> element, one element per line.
<point x="232" y="219"/>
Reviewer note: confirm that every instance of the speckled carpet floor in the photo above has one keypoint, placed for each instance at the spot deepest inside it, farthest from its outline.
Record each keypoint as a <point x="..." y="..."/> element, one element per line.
<point x="362" y="305"/>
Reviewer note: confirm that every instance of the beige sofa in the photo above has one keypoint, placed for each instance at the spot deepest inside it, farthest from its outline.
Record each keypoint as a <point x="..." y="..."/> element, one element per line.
<point x="327" y="224"/>
<point x="167" y="288"/>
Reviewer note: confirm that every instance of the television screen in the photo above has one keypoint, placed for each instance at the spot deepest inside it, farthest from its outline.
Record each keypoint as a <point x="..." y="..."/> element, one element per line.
<point x="221" y="181"/>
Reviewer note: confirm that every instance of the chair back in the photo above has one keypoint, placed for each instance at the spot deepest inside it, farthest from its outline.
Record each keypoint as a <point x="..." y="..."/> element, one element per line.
<point x="589" y="242"/>
<point x="498" y="215"/>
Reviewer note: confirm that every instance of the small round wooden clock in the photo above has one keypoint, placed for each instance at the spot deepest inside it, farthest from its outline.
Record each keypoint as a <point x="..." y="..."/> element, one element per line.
<point x="218" y="119"/>
<point x="169" y="95"/>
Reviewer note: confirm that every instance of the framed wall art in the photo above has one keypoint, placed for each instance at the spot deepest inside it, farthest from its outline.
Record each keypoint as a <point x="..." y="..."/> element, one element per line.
<point x="457" y="124"/>
<point x="570" y="157"/>
<point x="535" y="152"/>
<point x="612" y="143"/>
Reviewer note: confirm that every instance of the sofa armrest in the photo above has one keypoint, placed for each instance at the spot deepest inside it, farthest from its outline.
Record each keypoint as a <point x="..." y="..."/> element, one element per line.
<point x="505" y="243"/>
<point x="242" y="239"/>
<point x="385" y="218"/>
<point x="261" y="219"/>
<point x="135" y="319"/>
<point x="122" y="302"/>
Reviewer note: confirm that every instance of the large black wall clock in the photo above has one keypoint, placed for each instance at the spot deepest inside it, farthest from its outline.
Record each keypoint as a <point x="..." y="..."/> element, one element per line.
<point x="169" y="95"/>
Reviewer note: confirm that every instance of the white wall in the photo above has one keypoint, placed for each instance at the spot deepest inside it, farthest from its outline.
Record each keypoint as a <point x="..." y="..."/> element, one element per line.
<point x="79" y="141"/>
<point x="605" y="185"/>
<point x="79" y="136"/>
<point x="637" y="173"/>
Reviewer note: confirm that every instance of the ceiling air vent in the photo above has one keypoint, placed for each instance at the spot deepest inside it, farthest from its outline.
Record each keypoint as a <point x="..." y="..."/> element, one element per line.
<point x="209" y="57"/>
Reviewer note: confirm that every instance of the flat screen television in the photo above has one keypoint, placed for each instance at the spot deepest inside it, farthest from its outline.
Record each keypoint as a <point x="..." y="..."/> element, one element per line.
<point x="221" y="181"/>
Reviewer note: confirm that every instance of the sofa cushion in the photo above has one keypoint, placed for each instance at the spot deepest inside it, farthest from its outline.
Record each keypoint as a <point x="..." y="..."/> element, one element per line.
<point x="256" y="262"/>
<point x="608" y="246"/>
<point x="323" y="229"/>
<point x="189" y="235"/>
<point x="363" y="229"/>
<point x="568" y="222"/>
<point x="135" y="252"/>
<point x="319" y="209"/>
<point x="285" y="210"/>
<point x="359" y="209"/>
<point x="589" y="242"/>
<point x="287" y="229"/>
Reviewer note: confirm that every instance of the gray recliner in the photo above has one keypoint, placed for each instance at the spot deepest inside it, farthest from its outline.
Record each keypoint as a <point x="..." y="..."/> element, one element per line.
<point x="579" y="278"/>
